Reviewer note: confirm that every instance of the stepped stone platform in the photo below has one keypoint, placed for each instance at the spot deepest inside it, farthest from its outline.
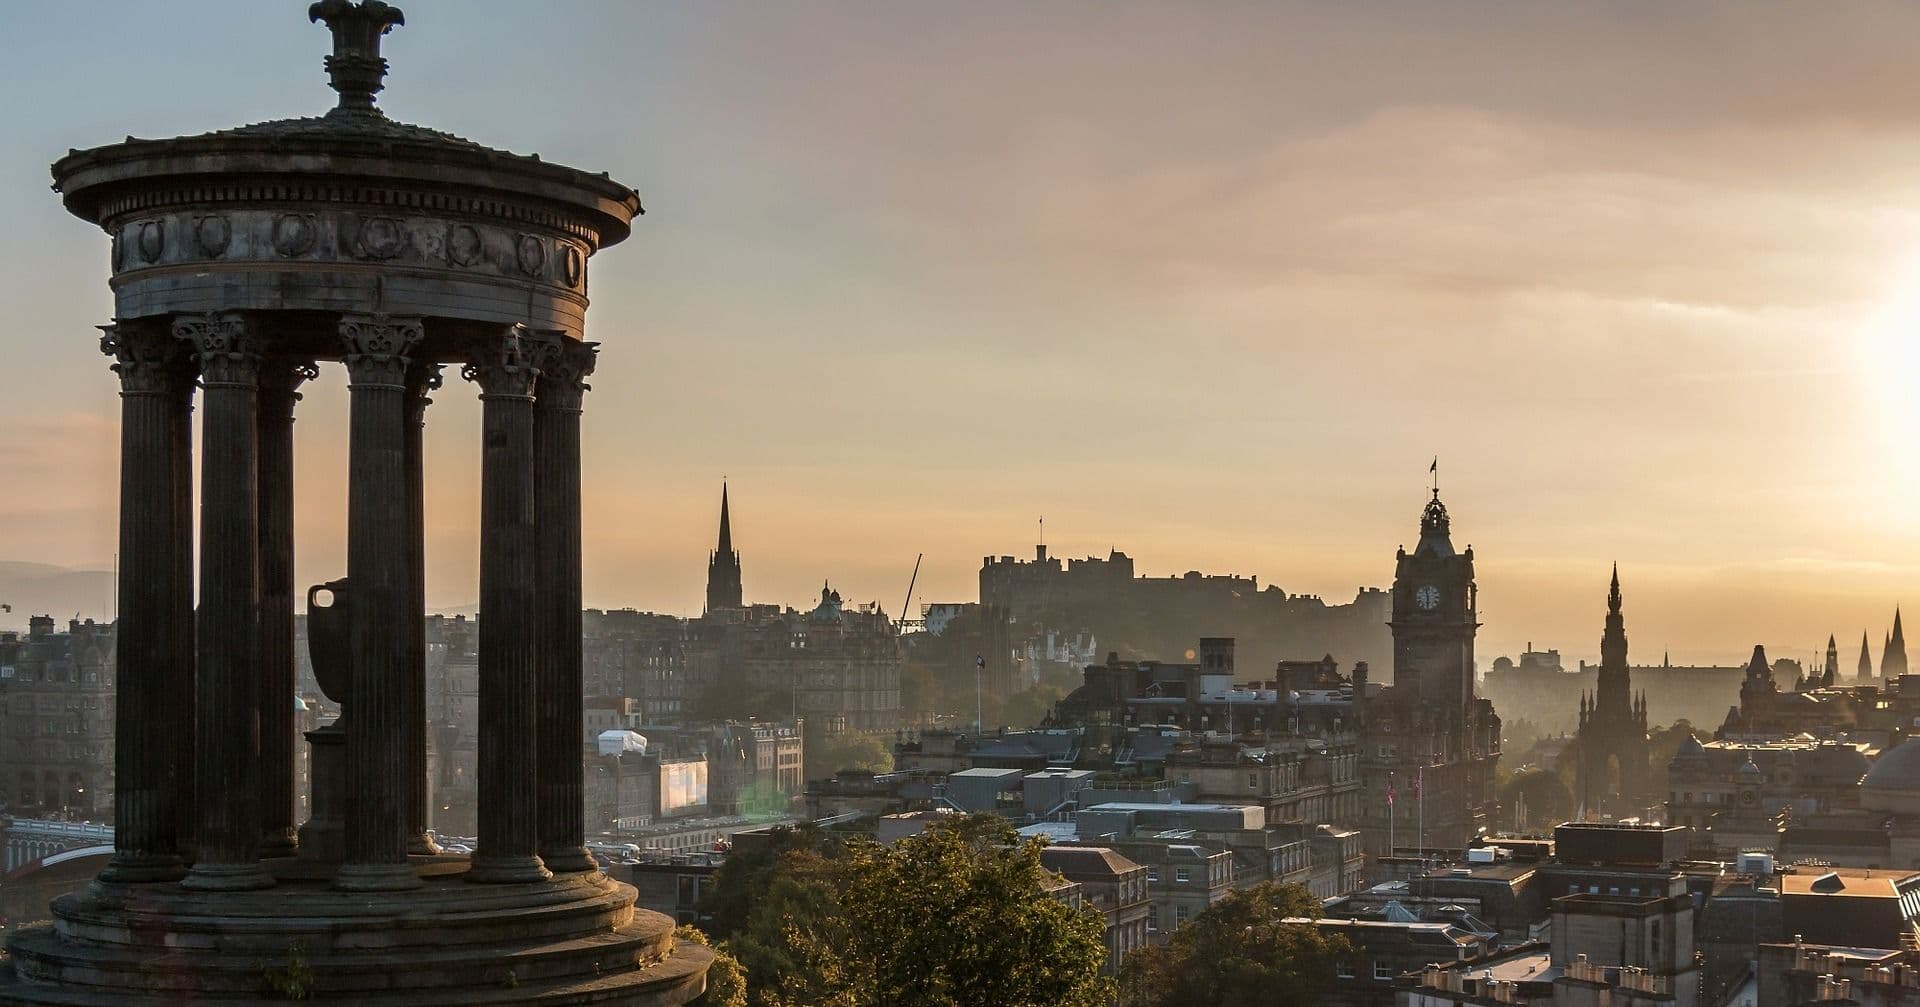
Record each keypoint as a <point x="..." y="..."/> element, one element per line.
<point x="575" y="940"/>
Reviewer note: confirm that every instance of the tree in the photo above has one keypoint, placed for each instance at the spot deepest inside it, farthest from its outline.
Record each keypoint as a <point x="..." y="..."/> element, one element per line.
<point x="1548" y="799"/>
<point x="848" y="750"/>
<point x="726" y="983"/>
<point x="1240" y="952"/>
<point x="746" y="875"/>
<point x="956" y="917"/>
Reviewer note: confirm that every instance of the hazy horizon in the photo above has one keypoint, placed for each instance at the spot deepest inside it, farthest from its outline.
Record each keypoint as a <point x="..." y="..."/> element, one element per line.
<point x="1209" y="287"/>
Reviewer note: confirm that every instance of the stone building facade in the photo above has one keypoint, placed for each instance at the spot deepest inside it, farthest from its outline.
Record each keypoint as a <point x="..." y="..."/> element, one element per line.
<point x="57" y="720"/>
<point x="1429" y="743"/>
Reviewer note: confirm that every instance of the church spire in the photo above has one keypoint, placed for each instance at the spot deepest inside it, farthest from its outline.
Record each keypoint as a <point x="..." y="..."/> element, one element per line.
<point x="1893" y="661"/>
<point x="1613" y="593"/>
<point x="1864" y="673"/>
<point x="1830" y="675"/>
<point x="723" y="565"/>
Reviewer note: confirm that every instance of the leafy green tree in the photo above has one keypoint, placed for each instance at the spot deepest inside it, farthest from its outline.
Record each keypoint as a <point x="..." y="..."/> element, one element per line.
<point x="726" y="983"/>
<point x="957" y="917"/>
<point x="1240" y="952"/>
<point x="747" y="874"/>
<point x="849" y="750"/>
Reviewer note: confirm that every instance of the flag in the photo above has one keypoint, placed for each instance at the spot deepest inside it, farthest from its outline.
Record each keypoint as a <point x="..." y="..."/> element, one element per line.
<point x="1419" y="778"/>
<point x="1390" y="794"/>
<point x="1435" y="467"/>
<point x="979" y="660"/>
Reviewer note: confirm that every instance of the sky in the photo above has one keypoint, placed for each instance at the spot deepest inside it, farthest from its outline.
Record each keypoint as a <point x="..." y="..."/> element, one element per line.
<point x="1210" y="283"/>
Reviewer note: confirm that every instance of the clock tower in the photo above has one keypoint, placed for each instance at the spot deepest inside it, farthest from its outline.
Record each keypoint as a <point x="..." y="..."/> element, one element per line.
<point x="1434" y="617"/>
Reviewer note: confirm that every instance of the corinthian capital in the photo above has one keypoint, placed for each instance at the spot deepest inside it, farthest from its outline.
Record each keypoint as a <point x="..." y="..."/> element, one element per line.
<point x="225" y="345"/>
<point x="146" y="359"/>
<point x="505" y="369"/>
<point x="377" y="347"/>
<point x="280" y="380"/>
<point x="564" y="365"/>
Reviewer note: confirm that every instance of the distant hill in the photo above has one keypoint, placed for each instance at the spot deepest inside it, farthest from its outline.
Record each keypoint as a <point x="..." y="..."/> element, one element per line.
<point x="45" y="589"/>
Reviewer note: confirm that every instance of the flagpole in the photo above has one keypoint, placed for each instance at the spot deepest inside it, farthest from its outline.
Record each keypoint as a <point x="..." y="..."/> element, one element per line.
<point x="1389" y="814"/>
<point x="1420" y="803"/>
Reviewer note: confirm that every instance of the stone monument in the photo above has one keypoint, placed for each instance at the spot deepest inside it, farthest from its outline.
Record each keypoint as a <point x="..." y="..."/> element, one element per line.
<point x="243" y="260"/>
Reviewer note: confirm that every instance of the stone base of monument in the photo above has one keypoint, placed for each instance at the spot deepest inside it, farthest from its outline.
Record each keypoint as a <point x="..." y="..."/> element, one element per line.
<point x="574" y="940"/>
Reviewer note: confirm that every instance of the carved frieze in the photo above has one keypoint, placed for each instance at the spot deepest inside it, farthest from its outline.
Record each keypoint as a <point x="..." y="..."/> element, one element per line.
<point x="531" y="254"/>
<point x="423" y="241"/>
<point x="464" y="247"/>
<point x="380" y="238"/>
<point x="294" y="234"/>
<point x="151" y="239"/>
<point x="214" y="234"/>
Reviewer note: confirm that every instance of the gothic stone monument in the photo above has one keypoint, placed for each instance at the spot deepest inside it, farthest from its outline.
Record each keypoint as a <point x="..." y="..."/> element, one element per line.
<point x="242" y="261"/>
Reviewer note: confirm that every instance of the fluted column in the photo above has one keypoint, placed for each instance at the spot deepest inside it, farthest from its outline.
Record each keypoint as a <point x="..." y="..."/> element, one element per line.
<point x="564" y="366"/>
<point x="226" y="683"/>
<point x="147" y="358"/>
<point x="183" y="639"/>
<point x="379" y="585"/>
<point x="423" y="378"/>
<point x="509" y="840"/>
<point x="279" y="380"/>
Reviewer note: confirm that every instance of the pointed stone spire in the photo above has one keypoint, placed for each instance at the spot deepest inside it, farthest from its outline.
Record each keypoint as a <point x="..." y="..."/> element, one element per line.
<point x="1613" y="592"/>
<point x="1893" y="660"/>
<point x="723" y="565"/>
<point x="1830" y="675"/>
<point x="1864" y="672"/>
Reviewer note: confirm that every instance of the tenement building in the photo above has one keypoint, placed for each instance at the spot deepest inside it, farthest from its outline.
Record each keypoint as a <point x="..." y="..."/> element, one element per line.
<point x="56" y="720"/>
<point x="243" y="261"/>
<point x="1428" y="743"/>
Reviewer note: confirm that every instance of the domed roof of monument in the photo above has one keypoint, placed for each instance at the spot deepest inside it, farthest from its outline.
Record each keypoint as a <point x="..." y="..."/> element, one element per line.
<point x="354" y="139"/>
<point x="1898" y="768"/>
<point x="1749" y="772"/>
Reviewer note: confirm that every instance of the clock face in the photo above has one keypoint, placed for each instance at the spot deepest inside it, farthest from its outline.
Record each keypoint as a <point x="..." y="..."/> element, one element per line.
<point x="1427" y="597"/>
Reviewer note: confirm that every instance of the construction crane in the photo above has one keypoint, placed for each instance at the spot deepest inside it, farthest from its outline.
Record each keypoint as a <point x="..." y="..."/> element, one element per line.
<point x="900" y="626"/>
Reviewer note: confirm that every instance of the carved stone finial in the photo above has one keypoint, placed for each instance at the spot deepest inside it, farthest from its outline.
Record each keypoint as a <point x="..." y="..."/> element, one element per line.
<point x="355" y="68"/>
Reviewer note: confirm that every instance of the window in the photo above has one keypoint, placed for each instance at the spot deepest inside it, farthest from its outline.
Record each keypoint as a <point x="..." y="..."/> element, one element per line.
<point x="1181" y="874"/>
<point x="1179" y="915"/>
<point x="1153" y="875"/>
<point x="1382" y="970"/>
<point x="1344" y="969"/>
<point x="1253" y="781"/>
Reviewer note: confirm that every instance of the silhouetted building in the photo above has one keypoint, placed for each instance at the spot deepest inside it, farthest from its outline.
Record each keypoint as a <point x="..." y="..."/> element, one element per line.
<point x="723" y="565"/>
<point x="1158" y="617"/>
<point x="1612" y="774"/>
<point x="1429" y="744"/>
<point x="1893" y="660"/>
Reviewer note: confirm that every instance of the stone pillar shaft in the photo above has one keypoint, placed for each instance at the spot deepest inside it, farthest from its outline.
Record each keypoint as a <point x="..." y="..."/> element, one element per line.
<point x="564" y="366"/>
<point x="278" y="663"/>
<point x="379" y="584"/>
<point x="180" y="704"/>
<point x="226" y="687"/>
<point x="509" y="839"/>
<point x="145" y="790"/>
<point x="423" y="379"/>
